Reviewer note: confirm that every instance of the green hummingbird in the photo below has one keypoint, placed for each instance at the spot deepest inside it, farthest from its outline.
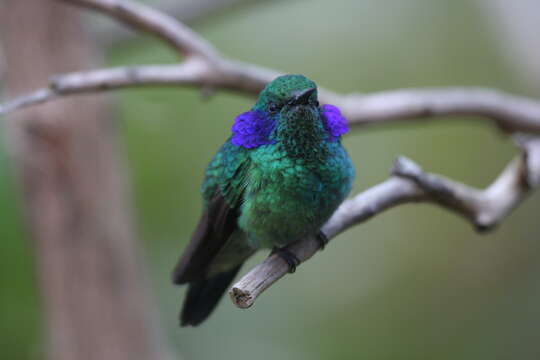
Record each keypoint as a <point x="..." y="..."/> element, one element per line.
<point x="277" y="179"/>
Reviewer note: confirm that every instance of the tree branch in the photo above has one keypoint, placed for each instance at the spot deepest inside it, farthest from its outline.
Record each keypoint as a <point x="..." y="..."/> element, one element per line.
<point x="204" y="67"/>
<point x="408" y="183"/>
<point x="145" y="18"/>
<point x="188" y="12"/>
<point x="512" y="113"/>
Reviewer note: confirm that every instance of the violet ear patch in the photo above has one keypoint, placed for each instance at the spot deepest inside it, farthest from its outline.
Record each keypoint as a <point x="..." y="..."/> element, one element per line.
<point x="335" y="123"/>
<point x="252" y="129"/>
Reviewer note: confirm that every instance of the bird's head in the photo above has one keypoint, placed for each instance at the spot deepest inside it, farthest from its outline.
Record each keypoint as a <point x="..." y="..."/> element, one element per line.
<point x="288" y="103"/>
<point x="286" y="93"/>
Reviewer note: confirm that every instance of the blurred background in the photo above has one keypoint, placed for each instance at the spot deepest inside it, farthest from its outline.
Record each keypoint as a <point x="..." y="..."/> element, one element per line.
<point x="414" y="283"/>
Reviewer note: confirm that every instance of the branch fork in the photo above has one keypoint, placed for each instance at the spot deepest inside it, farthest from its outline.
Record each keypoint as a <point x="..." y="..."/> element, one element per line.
<point x="408" y="183"/>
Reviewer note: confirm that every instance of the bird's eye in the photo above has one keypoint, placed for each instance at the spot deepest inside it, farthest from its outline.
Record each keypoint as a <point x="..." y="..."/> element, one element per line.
<point x="272" y="107"/>
<point x="317" y="103"/>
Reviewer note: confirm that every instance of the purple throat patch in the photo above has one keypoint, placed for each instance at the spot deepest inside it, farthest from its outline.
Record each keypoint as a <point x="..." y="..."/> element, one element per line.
<point x="335" y="123"/>
<point x="252" y="129"/>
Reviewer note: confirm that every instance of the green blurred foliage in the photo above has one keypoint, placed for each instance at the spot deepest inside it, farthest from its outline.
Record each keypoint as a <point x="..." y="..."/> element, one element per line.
<point x="414" y="283"/>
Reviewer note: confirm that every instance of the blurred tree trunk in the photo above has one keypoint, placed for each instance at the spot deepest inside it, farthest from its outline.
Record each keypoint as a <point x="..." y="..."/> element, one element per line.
<point x="72" y="177"/>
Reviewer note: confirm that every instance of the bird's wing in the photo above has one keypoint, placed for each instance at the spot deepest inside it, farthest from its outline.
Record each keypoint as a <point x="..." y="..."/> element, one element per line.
<point x="223" y="187"/>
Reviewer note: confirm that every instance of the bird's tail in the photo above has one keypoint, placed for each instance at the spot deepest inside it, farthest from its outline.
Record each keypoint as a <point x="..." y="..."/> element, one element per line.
<point x="203" y="296"/>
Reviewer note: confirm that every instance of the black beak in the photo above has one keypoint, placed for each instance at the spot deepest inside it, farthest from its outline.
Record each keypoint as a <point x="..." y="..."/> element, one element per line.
<point x="301" y="97"/>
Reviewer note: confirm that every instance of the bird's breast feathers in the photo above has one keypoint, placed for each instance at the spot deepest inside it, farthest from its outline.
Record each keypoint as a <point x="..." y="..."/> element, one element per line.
<point x="288" y="198"/>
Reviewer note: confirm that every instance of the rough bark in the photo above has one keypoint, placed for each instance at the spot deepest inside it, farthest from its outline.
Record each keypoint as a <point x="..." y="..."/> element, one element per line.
<point x="71" y="174"/>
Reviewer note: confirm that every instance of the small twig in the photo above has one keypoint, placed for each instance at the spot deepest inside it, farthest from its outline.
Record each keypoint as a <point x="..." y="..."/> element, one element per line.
<point x="409" y="183"/>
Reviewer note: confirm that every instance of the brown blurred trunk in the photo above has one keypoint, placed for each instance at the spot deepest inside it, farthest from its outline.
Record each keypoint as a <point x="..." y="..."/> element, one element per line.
<point x="94" y="291"/>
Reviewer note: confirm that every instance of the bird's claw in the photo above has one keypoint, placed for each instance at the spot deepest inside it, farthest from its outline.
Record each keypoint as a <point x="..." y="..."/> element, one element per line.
<point x="289" y="257"/>
<point x="322" y="239"/>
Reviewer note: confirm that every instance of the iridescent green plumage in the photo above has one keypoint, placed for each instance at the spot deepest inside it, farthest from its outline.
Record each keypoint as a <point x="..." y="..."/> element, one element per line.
<point x="278" y="181"/>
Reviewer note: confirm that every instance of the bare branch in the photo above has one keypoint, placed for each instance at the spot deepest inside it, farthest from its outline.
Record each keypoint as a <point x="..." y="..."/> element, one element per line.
<point x="508" y="111"/>
<point x="409" y="183"/>
<point x="145" y="18"/>
<point x="111" y="33"/>
<point x="203" y="67"/>
<point x="37" y="97"/>
<point x="188" y="12"/>
<point x="190" y="72"/>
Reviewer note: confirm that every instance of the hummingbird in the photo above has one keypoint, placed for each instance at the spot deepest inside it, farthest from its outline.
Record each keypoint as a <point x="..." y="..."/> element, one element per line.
<point x="277" y="179"/>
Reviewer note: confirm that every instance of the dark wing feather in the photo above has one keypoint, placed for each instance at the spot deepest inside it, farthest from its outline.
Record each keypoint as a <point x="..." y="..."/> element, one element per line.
<point x="217" y="223"/>
<point x="203" y="296"/>
<point x="223" y="188"/>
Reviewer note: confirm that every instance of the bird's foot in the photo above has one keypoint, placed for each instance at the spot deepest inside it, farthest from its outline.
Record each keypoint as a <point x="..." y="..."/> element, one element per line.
<point x="322" y="239"/>
<point x="288" y="256"/>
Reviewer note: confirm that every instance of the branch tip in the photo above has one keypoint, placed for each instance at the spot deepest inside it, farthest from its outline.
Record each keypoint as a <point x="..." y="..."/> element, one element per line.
<point x="241" y="298"/>
<point x="405" y="167"/>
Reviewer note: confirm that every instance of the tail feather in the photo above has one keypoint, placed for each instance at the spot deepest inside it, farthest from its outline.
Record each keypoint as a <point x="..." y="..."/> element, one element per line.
<point x="203" y="296"/>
